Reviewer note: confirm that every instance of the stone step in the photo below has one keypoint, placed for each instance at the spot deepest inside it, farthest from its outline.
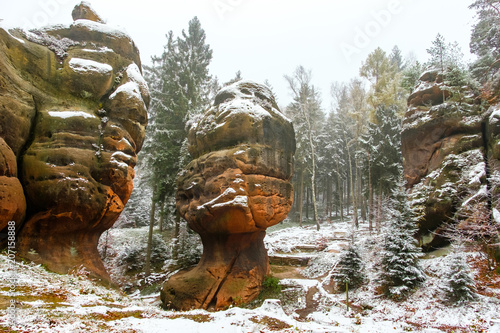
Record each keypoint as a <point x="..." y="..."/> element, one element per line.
<point x="290" y="260"/>
<point x="309" y="248"/>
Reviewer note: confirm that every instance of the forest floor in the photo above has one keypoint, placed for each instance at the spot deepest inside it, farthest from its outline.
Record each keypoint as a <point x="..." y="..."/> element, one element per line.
<point x="302" y="258"/>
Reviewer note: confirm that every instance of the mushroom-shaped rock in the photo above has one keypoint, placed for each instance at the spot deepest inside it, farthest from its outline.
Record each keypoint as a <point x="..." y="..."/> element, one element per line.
<point x="237" y="186"/>
<point x="73" y="110"/>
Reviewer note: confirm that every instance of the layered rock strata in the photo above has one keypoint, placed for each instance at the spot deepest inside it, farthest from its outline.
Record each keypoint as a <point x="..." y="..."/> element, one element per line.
<point x="73" y="111"/>
<point x="237" y="186"/>
<point x="449" y="142"/>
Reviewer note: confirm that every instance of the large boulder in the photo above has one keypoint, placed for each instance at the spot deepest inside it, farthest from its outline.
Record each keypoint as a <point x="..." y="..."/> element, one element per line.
<point x="447" y="156"/>
<point x="73" y="111"/>
<point x="237" y="186"/>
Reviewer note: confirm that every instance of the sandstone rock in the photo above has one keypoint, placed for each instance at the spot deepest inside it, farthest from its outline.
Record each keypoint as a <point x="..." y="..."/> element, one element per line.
<point x="443" y="146"/>
<point x="79" y="110"/>
<point x="12" y="200"/>
<point x="430" y="91"/>
<point x="237" y="186"/>
<point x="86" y="12"/>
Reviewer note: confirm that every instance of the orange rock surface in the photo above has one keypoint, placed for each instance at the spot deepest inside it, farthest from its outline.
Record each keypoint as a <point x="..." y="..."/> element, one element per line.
<point x="73" y="111"/>
<point x="236" y="187"/>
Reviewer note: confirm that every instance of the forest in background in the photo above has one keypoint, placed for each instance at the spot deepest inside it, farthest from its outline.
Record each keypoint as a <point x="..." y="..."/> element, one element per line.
<point x="348" y="161"/>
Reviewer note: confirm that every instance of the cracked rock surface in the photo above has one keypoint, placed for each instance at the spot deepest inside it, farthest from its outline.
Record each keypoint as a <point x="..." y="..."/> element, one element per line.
<point x="237" y="186"/>
<point x="450" y="158"/>
<point x="73" y="108"/>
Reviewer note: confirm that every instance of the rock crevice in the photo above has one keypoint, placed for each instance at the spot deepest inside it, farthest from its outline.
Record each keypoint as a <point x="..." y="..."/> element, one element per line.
<point x="73" y="113"/>
<point x="448" y="157"/>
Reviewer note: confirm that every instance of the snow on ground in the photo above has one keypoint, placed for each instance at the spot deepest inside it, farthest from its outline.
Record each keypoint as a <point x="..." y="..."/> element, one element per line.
<point x="49" y="302"/>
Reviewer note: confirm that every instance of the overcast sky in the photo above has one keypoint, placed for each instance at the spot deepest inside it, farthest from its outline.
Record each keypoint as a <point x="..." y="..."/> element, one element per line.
<point x="266" y="39"/>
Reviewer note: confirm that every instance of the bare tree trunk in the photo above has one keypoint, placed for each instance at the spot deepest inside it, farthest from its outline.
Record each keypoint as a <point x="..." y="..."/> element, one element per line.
<point x="307" y="203"/>
<point x="313" y="160"/>
<point x="362" y="201"/>
<point x="370" y="196"/>
<point x="379" y="211"/>
<point x="340" y="190"/>
<point x="328" y="196"/>
<point x="147" y="269"/>
<point x="353" y="190"/>
<point x="162" y="214"/>
<point x="341" y="200"/>
<point x="301" y="196"/>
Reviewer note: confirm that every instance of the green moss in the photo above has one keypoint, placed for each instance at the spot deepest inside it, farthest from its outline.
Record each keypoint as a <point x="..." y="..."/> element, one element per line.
<point x="271" y="288"/>
<point x="114" y="315"/>
<point x="235" y="286"/>
<point x="272" y="324"/>
<point x="199" y="318"/>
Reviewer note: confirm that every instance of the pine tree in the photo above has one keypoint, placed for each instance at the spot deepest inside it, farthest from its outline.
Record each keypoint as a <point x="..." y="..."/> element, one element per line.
<point x="401" y="272"/>
<point x="180" y="85"/>
<point x="410" y="76"/>
<point x="381" y="148"/>
<point x="396" y="58"/>
<point x="459" y="283"/>
<point x="444" y="56"/>
<point x="351" y="269"/>
<point x="485" y="39"/>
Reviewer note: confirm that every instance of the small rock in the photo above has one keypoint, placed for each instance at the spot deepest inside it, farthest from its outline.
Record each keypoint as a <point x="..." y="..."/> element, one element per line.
<point x="84" y="11"/>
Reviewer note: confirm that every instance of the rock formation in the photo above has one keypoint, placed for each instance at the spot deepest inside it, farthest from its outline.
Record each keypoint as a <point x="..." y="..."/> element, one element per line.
<point x="72" y="119"/>
<point x="236" y="187"/>
<point x="450" y="157"/>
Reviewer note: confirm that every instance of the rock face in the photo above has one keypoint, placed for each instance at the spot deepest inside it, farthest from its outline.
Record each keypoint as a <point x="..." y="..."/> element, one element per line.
<point x="73" y="111"/>
<point x="450" y="157"/>
<point x="236" y="187"/>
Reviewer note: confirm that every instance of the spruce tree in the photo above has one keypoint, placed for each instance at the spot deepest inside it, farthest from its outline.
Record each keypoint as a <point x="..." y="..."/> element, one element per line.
<point x="350" y="269"/>
<point x="459" y="283"/>
<point x="485" y="39"/>
<point x="401" y="272"/>
<point x="180" y="85"/>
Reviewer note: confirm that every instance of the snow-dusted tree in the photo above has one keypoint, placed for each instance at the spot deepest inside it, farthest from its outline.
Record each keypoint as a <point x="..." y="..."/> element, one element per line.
<point x="459" y="285"/>
<point x="443" y="55"/>
<point x="485" y="39"/>
<point x="396" y="58"/>
<point x="350" y="269"/>
<point x="306" y="113"/>
<point x="332" y="162"/>
<point x="180" y="85"/>
<point x="401" y="272"/>
<point x="410" y="75"/>
<point x="381" y="147"/>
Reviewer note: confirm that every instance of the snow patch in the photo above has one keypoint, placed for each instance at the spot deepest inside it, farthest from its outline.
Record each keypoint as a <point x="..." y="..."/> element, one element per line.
<point x="9" y="33"/>
<point x="477" y="172"/>
<point x="84" y="66"/>
<point x="70" y="114"/>
<point x="496" y="215"/>
<point x="130" y="89"/>
<point x="134" y="74"/>
<point x="100" y="27"/>
<point x="495" y="114"/>
<point x="239" y="200"/>
<point x="227" y="192"/>
<point x="103" y="49"/>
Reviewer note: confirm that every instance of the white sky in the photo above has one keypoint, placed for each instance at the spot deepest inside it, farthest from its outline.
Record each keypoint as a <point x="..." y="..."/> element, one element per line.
<point x="266" y="39"/>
